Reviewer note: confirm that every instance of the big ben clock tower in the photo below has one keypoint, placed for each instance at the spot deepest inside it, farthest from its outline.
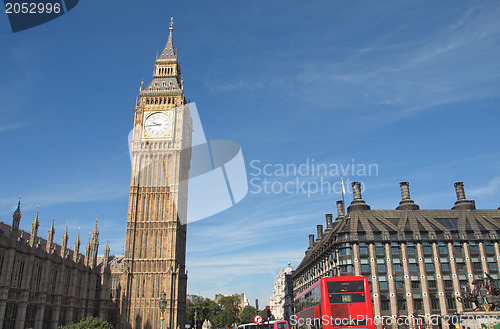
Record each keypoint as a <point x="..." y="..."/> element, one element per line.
<point x="155" y="248"/>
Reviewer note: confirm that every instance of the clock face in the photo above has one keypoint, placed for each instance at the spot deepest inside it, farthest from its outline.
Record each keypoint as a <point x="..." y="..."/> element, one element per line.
<point x="157" y="124"/>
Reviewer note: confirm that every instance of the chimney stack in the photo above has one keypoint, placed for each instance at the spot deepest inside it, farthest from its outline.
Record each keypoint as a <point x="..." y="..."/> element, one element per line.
<point x="462" y="203"/>
<point x="311" y="240"/>
<point x="340" y="209"/>
<point x="319" y="228"/>
<point x="459" y="189"/>
<point x="357" y="202"/>
<point x="356" y="191"/>
<point x="406" y="203"/>
<point x="405" y="190"/>
<point x="329" y="221"/>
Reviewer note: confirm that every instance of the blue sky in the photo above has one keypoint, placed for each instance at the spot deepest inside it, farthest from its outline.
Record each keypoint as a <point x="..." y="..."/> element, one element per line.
<point x="410" y="86"/>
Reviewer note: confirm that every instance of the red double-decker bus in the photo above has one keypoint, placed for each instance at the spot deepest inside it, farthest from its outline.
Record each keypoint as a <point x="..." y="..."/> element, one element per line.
<point x="335" y="303"/>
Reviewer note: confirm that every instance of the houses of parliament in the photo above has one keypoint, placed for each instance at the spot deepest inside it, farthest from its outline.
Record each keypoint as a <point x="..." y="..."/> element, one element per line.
<point x="44" y="284"/>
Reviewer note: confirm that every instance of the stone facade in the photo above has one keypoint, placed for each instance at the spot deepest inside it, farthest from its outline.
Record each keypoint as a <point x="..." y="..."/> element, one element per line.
<point x="155" y="247"/>
<point x="44" y="285"/>
<point x="277" y="299"/>
<point x="416" y="260"/>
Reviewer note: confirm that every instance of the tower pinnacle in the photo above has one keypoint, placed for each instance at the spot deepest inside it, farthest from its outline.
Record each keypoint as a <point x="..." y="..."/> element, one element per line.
<point x="168" y="52"/>
<point x="34" y="228"/>
<point x="16" y="218"/>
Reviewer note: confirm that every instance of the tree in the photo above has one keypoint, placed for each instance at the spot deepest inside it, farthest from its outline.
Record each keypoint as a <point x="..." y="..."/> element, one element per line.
<point x="89" y="323"/>
<point x="230" y="311"/>
<point x="205" y="309"/>
<point x="247" y="314"/>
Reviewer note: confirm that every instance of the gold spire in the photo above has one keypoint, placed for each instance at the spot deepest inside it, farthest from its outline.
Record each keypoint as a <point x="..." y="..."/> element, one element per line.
<point x="171" y="24"/>
<point x="36" y="223"/>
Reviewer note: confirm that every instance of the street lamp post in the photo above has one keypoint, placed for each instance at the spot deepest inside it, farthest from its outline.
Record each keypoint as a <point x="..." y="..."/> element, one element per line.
<point x="162" y="304"/>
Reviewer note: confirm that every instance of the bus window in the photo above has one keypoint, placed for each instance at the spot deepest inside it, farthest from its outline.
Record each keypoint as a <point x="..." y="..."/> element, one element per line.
<point x="282" y="325"/>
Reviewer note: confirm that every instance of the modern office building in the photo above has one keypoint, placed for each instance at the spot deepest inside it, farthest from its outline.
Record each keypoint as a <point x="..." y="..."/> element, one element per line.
<point x="416" y="260"/>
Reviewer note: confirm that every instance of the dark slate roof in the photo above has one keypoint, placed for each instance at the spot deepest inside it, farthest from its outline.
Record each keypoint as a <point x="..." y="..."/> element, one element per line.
<point x="169" y="51"/>
<point x="405" y="225"/>
<point x="162" y="85"/>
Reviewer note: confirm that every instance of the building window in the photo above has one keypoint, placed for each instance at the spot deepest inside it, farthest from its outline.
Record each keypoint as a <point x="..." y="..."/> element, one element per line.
<point x="477" y="266"/>
<point x="450" y="302"/>
<point x="413" y="266"/>
<point x="363" y="250"/>
<point x="458" y="250"/>
<point x="445" y="266"/>
<point x="460" y="266"/>
<point x="448" y="284"/>
<point x="384" y="305"/>
<point x="415" y="284"/>
<point x="418" y="304"/>
<point x="443" y="250"/>
<point x="474" y="249"/>
<point x="410" y="250"/>
<point x="432" y="283"/>
<point x="429" y="266"/>
<point x="401" y="304"/>
<point x="396" y="267"/>
<point x="383" y="285"/>
<point x="493" y="266"/>
<point x="435" y="303"/>
<point x="345" y="268"/>
<point x="379" y="250"/>
<point x="365" y="268"/>
<point x="381" y="268"/>
<point x="344" y="251"/>
<point x="428" y="250"/>
<point x="395" y="250"/>
<point x="448" y="222"/>
<point x="489" y="249"/>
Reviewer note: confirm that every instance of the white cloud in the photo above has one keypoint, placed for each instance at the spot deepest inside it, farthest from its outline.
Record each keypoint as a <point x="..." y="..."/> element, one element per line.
<point x="15" y="125"/>
<point x="492" y="187"/>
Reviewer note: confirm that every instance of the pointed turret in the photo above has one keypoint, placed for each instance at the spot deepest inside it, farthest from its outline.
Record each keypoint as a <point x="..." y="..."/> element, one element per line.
<point x="16" y="218"/>
<point x="168" y="52"/>
<point x="64" y="244"/>
<point x="87" y="252"/>
<point x="50" y="237"/>
<point x="94" y="245"/>
<point x="77" y="247"/>
<point x="106" y="256"/>
<point x="95" y="232"/>
<point x="34" y="228"/>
